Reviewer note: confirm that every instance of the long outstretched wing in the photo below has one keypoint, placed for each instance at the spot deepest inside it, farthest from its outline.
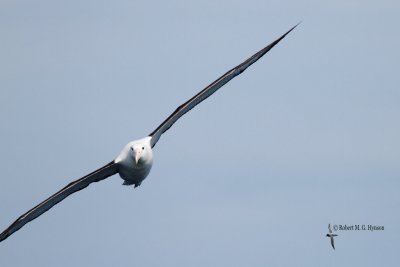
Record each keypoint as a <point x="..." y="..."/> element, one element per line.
<point x="209" y="90"/>
<point x="98" y="175"/>
<point x="332" y="242"/>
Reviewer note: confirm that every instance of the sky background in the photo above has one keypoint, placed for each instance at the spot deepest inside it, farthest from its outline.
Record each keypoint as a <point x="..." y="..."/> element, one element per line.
<point x="308" y="135"/>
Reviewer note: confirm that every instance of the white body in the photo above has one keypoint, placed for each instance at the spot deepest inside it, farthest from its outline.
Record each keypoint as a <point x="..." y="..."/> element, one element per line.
<point x="135" y="161"/>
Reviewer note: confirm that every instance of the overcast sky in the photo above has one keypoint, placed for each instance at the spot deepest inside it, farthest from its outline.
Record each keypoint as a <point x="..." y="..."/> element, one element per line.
<point x="309" y="135"/>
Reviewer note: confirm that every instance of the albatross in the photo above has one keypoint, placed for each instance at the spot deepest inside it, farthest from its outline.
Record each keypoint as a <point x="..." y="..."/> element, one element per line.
<point x="331" y="235"/>
<point x="134" y="162"/>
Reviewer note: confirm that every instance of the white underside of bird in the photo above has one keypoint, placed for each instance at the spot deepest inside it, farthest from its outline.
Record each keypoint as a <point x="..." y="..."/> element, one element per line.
<point x="135" y="161"/>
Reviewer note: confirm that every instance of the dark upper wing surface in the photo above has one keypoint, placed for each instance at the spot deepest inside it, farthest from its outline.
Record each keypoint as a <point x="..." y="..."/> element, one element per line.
<point x="98" y="175"/>
<point x="209" y="90"/>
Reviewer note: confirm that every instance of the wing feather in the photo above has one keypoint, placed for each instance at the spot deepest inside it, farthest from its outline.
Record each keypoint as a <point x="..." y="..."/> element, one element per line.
<point x="98" y="175"/>
<point x="209" y="90"/>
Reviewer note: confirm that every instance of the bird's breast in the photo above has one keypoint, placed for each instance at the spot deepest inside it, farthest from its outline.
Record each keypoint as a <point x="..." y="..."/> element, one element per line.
<point x="133" y="172"/>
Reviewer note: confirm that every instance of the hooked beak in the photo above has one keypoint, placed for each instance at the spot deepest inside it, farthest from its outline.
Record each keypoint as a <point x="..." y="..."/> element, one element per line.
<point x="138" y="154"/>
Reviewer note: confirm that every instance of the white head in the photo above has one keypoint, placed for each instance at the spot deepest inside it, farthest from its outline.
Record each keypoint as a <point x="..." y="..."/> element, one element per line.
<point x="140" y="151"/>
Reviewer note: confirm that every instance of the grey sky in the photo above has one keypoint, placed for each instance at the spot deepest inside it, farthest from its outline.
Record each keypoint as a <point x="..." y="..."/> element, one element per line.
<point x="307" y="136"/>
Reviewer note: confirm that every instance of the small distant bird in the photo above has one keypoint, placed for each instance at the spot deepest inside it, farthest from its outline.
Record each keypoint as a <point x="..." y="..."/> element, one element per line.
<point x="134" y="162"/>
<point x="331" y="235"/>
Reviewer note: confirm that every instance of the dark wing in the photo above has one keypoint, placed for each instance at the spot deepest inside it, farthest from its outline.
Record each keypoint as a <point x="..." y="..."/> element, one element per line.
<point x="98" y="175"/>
<point x="329" y="228"/>
<point x="332" y="242"/>
<point x="209" y="90"/>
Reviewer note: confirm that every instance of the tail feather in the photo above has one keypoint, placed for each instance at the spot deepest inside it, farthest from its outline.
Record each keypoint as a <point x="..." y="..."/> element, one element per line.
<point x="127" y="183"/>
<point x="131" y="183"/>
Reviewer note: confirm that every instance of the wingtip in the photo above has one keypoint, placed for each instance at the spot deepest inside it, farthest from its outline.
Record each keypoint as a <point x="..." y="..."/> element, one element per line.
<point x="286" y="33"/>
<point x="291" y="29"/>
<point x="3" y="236"/>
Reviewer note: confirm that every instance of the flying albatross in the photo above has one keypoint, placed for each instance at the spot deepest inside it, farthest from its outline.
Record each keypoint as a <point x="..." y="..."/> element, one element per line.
<point x="134" y="162"/>
<point x="331" y="236"/>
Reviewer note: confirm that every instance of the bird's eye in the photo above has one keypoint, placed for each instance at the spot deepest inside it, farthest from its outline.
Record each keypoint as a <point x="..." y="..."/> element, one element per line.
<point x="143" y="147"/>
<point x="132" y="148"/>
